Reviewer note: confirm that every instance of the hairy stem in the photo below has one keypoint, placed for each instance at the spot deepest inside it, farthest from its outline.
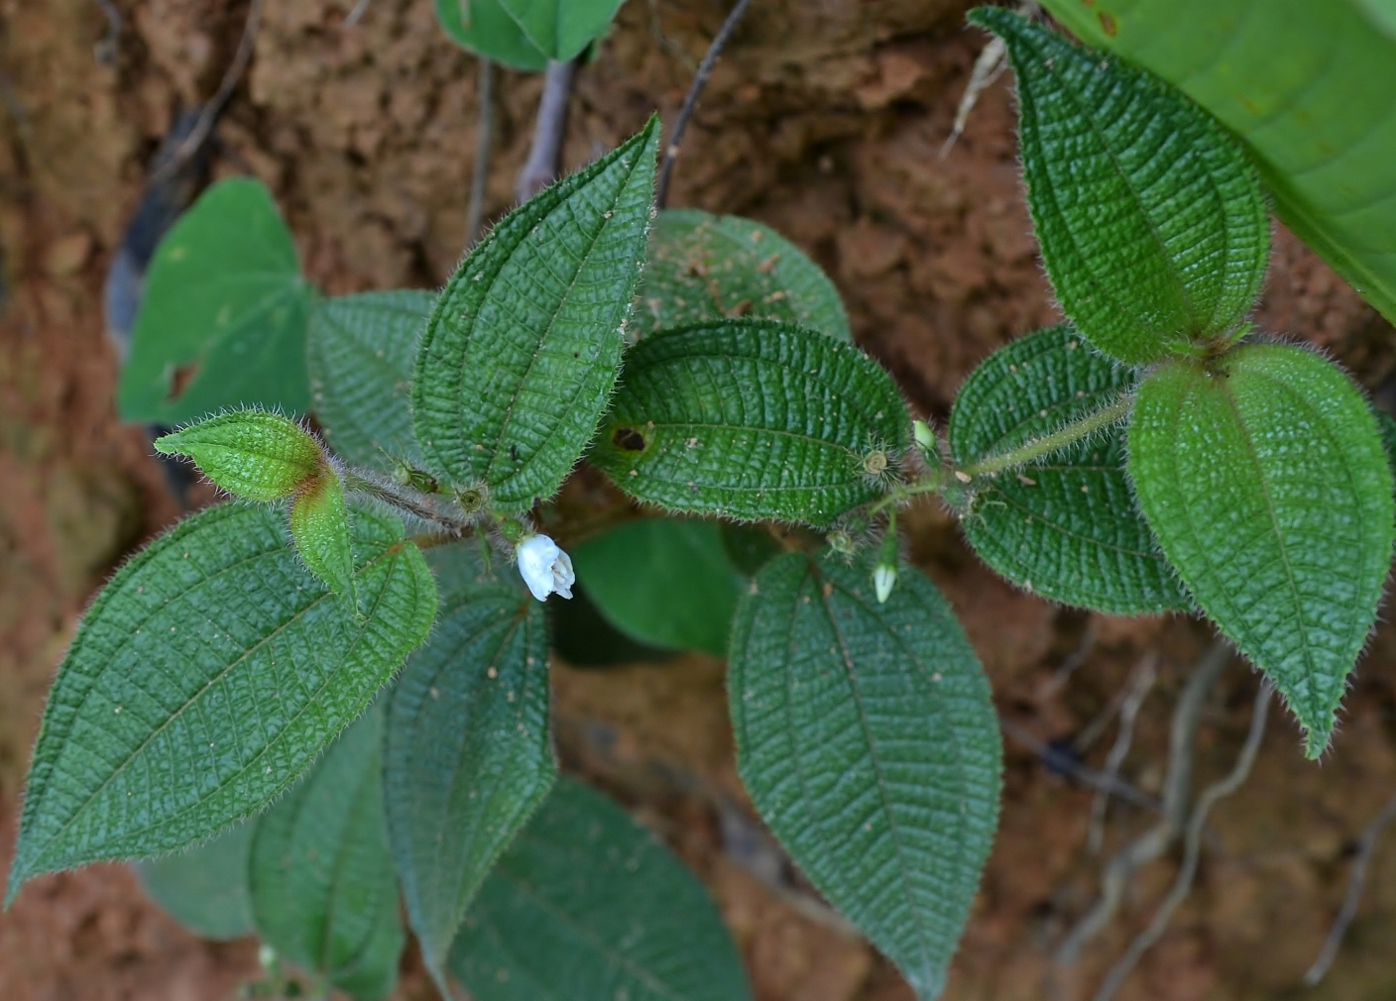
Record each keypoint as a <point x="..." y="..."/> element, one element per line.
<point x="444" y="516"/>
<point x="1057" y="440"/>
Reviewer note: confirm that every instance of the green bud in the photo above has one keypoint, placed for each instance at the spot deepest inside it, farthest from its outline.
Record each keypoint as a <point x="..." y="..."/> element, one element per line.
<point x="925" y="437"/>
<point x="320" y="531"/>
<point x="252" y="454"/>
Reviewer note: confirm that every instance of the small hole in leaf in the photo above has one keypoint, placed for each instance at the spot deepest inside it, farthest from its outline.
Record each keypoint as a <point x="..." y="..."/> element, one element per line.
<point x="180" y="379"/>
<point x="628" y="439"/>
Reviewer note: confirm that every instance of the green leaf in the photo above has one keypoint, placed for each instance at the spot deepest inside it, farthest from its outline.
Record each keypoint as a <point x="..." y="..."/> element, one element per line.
<point x="868" y="742"/>
<point x="489" y="31"/>
<point x="1151" y="219"/>
<point x="522" y="350"/>
<point x="322" y="882"/>
<point x="469" y="753"/>
<point x="587" y="906"/>
<point x="361" y="349"/>
<point x="1266" y="483"/>
<point x="1066" y="526"/>
<point x="204" y="680"/>
<point x="749" y="547"/>
<point x="752" y="419"/>
<point x="560" y="29"/>
<point x="205" y="888"/>
<point x="251" y="454"/>
<point x="703" y="267"/>
<point x="1306" y="86"/>
<point x="662" y="581"/>
<point x="320" y="532"/>
<point x="223" y="315"/>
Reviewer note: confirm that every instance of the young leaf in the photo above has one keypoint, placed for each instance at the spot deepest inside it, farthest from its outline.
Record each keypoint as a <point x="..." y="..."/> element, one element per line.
<point x="703" y="267"/>
<point x="1266" y="483"/>
<point x="490" y="32"/>
<point x="322" y="883"/>
<point x="360" y="352"/>
<point x="560" y="29"/>
<point x="1307" y="86"/>
<point x="1151" y="219"/>
<point x="522" y="350"/>
<point x="1065" y="526"/>
<point x="320" y="531"/>
<point x="868" y="742"/>
<point x="223" y="317"/>
<point x="587" y="905"/>
<point x="752" y="419"/>
<point x="251" y="454"/>
<point x="205" y="888"/>
<point x="204" y="680"/>
<point x="469" y="755"/>
<point x="662" y="581"/>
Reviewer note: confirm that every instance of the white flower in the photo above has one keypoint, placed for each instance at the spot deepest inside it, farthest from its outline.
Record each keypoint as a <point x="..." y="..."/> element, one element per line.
<point x="545" y="568"/>
<point x="884" y="579"/>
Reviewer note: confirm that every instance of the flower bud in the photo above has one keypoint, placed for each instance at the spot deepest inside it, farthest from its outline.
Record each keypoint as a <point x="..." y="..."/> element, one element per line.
<point x="884" y="579"/>
<point x="925" y="437"/>
<point x="544" y="567"/>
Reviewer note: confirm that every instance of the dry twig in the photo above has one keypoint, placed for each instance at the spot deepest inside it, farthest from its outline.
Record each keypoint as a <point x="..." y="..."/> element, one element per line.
<point x="545" y="155"/>
<point x="1141" y="683"/>
<point x="484" y="139"/>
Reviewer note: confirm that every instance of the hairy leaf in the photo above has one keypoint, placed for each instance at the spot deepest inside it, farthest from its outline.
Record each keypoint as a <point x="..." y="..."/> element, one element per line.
<point x="1266" y="483"/>
<point x="469" y="756"/>
<point x="662" y="581"/>
<point x="703" y="267"/>
<point x="561" y="29"/>
<point x="1066" y="526"/>
<point x="361" y="349"/>
<point x="752" y="419"/>
<point x="321" y="875"/>
<point x="587" y="906"/>
<point x="204" y="680"/>
<point x="252" y="454"/>
<point x="490" y="32"/>
<point x="320" y="531"/>
<point x="522" y="350"/>
<point x="205" y="888"/>
<point x="1151" y="219"/>
<point x="1306" y="86"/>
<point x="223" y="315"/>
<point x="868" y="742"/>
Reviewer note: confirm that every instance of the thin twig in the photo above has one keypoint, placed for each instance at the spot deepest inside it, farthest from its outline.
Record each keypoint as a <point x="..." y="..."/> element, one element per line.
<point x="1089" y="777"/>
<point x="107" y="48"/>
<point x="1142" y="682"/>
<point x="214" y="107"/>
<point x="484" y="139"/>
<point x="1366" y="847"/>
<point x="1192" y="848"/>
<point x="545" y="155"/>
<point x="1151" y="845"/>
<point x="356" y="14"/>
<point x="987" y="68"/>
<point x="690" y="101"/>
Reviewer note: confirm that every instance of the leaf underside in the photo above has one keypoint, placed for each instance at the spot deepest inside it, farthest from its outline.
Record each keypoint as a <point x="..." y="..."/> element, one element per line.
<point x="1065" y="527"/>
<point x="753" y="420"/>
<point x="322" y="882"/>
<point x="587" y="906"/>
<point x="1307" y="86"/>
<point x="469" y="756"/>
<point x="703" y="267"/>
<point x="1151" y="220"/>
<point x="1268" y="488"/>
<point x="360" y="352"/>
<point x="490" y="32"/>
<point x="204" y="680"/>
<point x="205" y="889"/>
<point x="868" y="742"/>
<point x="561" y="29"/>
<point x="522" y="350"/>
<point x="223" y="314"/>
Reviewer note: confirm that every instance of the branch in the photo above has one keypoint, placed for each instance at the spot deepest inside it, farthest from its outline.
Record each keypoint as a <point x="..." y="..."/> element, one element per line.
<point x="1145" y="674"/>
<point x="1192" y="848"/>
<point x="545" y="155"/>
<point x="1366" y="847"/>
<point x="690" y="101"/>
<point x="1151" y="845"/>
<point x="484" y="138"/>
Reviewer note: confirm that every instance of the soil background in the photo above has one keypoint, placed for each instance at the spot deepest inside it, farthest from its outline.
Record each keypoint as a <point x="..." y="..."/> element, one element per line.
<point x="825" y="119"/>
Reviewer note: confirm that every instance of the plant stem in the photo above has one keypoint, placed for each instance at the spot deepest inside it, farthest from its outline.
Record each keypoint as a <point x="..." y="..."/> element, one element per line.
<point x="690" y="101"/>
<point x="484" y="138"/>
<point x="1048" y="444"/>
<point x="545" y="155"/>
<point x="424" y="507"/>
